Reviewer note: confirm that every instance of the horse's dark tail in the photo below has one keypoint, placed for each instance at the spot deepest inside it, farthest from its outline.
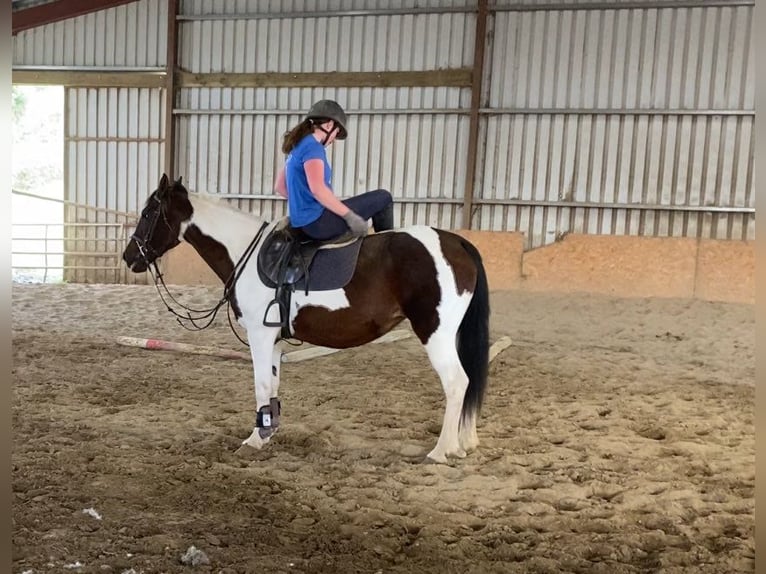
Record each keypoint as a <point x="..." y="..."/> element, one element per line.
<point x="473" y="339"/>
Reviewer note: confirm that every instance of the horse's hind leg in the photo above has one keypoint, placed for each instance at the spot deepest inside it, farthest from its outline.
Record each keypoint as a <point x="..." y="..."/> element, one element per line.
<point x="442" y="352"/>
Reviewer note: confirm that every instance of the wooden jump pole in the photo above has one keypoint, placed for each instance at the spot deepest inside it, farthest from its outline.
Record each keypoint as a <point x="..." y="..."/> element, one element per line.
<point x="158" y="344"/>
<point x="500" y="345"/>
<point x="292" y="357"/>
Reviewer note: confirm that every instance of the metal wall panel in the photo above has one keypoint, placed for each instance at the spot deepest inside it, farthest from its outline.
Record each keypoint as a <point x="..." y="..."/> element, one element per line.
<point x="129" y="36"/>
<point x="418" y="156"/>
<point x="637" y="161"/>
<point x="291" y="8"/>
<point x="359" y="43"/>
<point x="396" y="142"/>
<point x="634" y="107"/>
<point x="114" y="148"/>
<point x="681" y="58"/>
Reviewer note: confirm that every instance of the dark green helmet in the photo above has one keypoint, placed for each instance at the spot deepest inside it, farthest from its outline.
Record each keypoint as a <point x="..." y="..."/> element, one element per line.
<point x="329" y="110"/>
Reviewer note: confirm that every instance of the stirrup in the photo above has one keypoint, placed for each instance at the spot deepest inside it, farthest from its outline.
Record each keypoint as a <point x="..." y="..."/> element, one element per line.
<point x="283" y="317"/>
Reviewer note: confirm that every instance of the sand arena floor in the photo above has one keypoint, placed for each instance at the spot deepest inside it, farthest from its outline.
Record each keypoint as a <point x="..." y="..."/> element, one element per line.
<point x="617" y="436"/>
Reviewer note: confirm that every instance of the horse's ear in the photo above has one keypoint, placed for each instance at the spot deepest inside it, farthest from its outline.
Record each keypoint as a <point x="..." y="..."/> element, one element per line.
<point x="178" y="181"/>
<point x="163" y="181"/>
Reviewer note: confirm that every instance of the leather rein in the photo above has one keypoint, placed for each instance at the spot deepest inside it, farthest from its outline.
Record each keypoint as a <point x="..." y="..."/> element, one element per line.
<point x="190" y="315"/>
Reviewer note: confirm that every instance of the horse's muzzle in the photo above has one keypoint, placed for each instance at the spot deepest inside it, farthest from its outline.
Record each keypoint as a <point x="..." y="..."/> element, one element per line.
<point x="133" y="259"/>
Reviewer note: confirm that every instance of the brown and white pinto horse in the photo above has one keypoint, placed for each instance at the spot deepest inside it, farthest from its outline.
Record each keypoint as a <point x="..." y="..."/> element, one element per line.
<point x="432" y="277"/>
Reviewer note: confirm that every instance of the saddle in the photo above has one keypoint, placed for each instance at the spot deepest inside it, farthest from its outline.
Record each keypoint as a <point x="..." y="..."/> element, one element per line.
<point x="291" y="260"/>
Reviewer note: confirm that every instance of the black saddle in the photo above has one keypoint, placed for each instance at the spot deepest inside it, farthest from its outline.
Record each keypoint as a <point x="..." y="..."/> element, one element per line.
<point x="290" y="260"/>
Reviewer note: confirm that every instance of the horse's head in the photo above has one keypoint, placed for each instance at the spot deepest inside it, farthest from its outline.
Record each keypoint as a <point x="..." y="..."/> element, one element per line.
<point x="159" y="228"/>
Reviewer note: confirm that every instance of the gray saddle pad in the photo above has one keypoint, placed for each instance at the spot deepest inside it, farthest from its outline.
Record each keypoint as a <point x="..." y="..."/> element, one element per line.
<point x="331" y="268"/>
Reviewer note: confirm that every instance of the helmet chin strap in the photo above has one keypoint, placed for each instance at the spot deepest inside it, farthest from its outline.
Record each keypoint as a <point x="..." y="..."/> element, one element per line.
<point x="327" y="133"/>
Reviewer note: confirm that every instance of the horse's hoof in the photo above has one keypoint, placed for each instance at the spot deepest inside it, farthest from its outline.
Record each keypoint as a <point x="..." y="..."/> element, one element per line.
<point x="459" y="453"/>
<point x="431" y="459"/>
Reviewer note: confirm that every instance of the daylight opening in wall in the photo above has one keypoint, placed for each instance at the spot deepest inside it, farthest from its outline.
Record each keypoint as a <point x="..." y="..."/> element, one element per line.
<point x="37" y="251"/>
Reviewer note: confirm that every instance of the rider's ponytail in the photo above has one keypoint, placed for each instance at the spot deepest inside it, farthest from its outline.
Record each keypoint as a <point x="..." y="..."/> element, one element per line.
<point x="296" y="134"/>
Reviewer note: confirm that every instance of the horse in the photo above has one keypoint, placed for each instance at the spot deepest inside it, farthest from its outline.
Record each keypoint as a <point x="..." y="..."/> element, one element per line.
<point x="432" y="277"/>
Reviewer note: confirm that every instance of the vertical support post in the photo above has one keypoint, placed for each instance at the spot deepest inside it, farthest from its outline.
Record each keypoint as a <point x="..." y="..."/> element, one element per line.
<point x="170" y="88"/>
<point x="67" y="215"/>
<point x="473" y="134"/>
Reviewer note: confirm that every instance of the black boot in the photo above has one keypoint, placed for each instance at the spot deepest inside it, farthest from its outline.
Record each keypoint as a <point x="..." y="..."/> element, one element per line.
<point x="384" y="219"/>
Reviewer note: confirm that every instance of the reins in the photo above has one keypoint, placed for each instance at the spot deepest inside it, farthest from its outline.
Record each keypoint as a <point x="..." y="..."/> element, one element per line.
<point x="228" y="290"/>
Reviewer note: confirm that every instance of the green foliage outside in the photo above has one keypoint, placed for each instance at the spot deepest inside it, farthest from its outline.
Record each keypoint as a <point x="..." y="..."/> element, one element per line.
<point x="19" y="104"/>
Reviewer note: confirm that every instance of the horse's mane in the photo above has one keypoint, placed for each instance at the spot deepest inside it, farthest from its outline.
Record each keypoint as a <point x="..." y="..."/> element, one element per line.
<point x="216" y="202"/>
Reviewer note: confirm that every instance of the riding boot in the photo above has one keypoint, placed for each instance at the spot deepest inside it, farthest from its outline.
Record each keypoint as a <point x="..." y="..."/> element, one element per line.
<point x="384" y="219"/>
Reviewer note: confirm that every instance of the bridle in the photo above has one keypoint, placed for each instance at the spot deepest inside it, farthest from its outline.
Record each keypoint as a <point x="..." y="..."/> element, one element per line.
<point x="192" y="316"/>
<point x="144" y="244"/>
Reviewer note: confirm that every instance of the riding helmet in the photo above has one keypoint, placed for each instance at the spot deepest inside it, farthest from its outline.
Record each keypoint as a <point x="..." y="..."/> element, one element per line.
<point x="329" y="110"/>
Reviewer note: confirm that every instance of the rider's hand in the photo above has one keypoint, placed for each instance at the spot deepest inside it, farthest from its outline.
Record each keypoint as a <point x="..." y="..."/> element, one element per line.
<point x="356" y="224"/>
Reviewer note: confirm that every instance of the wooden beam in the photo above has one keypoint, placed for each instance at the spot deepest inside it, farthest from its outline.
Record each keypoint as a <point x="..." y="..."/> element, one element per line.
<point x="473" y="131"/>
<point x="82" y="79"/>
<point x="170" y="88"/>
<point x="58" y="10"/>
<point x="452" y="77"/>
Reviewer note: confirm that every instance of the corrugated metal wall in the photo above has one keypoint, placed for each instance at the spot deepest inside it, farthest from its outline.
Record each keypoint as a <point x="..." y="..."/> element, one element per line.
<point x="616" y="118"/>
<point x="132" y="35"/>
<point x="595" y="119"/>
<point x="114" y="147"/>
<point x="410" y="140"/>
<point x="637" y="107"/>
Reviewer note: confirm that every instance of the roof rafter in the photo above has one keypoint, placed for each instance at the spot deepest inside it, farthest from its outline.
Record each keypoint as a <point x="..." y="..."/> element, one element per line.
<point x="58" y="10"/>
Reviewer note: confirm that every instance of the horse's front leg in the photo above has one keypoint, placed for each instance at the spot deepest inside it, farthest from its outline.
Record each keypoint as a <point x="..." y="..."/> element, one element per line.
<point x="266" y="371"/>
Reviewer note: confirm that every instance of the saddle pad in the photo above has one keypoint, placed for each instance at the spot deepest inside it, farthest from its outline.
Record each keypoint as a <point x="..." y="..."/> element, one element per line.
<point x="331" y="268"/>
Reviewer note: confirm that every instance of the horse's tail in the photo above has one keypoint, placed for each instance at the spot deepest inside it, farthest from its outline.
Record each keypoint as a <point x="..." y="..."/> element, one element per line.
<point x="473" y="339"/>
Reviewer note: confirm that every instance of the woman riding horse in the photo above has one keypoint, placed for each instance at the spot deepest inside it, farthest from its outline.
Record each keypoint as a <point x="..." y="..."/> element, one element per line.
<point x="306" y="180"/>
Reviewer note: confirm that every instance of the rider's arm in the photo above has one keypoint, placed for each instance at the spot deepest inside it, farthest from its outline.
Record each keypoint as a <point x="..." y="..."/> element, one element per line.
<point x="315" y="175"/>
<point x="280" y="185"/>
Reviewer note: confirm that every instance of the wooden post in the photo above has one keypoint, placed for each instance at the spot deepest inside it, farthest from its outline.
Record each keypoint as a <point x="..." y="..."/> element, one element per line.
<point x="170" y="88"/>
<point x="473" y="134"/>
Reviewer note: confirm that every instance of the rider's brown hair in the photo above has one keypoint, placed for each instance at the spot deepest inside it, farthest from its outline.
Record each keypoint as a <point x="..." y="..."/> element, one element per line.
<point x="291" y="138"/>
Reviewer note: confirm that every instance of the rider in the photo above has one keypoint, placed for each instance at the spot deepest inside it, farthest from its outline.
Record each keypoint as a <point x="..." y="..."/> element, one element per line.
<point x="306" y="180"/>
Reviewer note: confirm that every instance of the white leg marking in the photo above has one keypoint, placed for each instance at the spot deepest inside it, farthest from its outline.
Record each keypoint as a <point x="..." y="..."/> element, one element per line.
<point x="469" y="439"/>
<point x="443" y="354"/>
<point x="262" y="350"/>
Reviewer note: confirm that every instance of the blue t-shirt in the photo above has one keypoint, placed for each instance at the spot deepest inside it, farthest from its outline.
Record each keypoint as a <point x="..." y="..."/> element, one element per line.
<point x="303" y="207"/>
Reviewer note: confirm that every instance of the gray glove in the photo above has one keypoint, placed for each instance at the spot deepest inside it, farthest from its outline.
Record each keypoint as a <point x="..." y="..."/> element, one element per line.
<point x="356" y="224"/>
